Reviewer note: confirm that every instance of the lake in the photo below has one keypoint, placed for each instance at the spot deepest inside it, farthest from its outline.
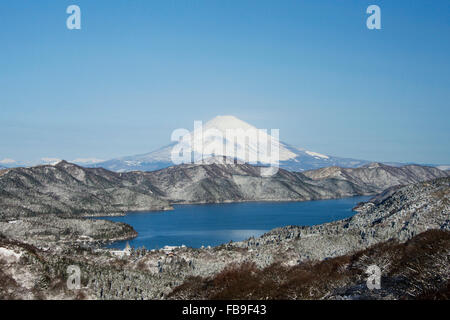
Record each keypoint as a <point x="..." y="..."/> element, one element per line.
<point x="215" y="224"/>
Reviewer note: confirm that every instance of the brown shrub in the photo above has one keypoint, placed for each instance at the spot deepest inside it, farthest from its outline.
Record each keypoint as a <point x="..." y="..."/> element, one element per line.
<point x="8" y="286"/>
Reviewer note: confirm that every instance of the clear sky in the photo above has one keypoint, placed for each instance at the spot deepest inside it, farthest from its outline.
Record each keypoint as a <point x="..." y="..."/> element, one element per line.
<point x="139" y="69"/>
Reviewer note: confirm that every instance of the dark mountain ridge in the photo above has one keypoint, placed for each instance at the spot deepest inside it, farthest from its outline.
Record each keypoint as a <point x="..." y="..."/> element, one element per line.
<point x="69" y="189"/>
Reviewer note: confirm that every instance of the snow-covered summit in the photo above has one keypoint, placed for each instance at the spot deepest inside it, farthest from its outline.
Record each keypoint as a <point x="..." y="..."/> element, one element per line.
<point x="227" y="122"/>
<point x="210" y="140"/>
<point x="231" y="137"/>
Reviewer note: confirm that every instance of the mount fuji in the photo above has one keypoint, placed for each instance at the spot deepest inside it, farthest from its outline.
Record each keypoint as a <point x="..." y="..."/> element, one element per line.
<point x="290" y="157"/>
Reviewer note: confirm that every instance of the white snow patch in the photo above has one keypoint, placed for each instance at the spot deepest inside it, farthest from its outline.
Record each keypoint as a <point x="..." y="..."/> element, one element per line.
<point x="317" y="155"/>
<point x="87" y="160"/>
<point x="51" y="161"/>
<point x="10" y="255"/>
<point x="132" y="163"/>
<point x="7" y="161"/>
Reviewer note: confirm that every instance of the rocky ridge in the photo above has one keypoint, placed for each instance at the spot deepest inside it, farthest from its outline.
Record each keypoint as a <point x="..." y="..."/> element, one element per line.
<point x="68" y="189"/>
<point x="71" y="190"/>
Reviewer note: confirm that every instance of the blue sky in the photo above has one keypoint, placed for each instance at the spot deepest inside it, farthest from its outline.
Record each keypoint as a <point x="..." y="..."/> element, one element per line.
<point x="139" y="69"/>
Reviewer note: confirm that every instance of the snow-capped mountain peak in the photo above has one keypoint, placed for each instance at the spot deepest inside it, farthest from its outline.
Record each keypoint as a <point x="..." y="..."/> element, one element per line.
<point x="223" y="123"/>
<point x="209" y="140"/>
<point x="231" y="137"/>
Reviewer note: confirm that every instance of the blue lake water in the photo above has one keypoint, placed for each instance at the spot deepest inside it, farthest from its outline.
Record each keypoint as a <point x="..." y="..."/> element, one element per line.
<point x="215" y="224"/>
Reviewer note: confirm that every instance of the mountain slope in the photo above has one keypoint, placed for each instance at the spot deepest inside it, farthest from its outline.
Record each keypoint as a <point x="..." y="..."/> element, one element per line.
<point x="216" y="182"/>
<point x="376" y="176"/>
<point x="66" y="188"/>
<point x="243" y="182"/>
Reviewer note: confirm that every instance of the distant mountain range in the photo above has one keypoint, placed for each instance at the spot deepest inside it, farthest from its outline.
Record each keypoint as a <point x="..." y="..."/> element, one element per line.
<point x="214" y="138"/>
<point x="69" y="189"/>
<point x="10" y="163"/>
<point x="291" y="158"/>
